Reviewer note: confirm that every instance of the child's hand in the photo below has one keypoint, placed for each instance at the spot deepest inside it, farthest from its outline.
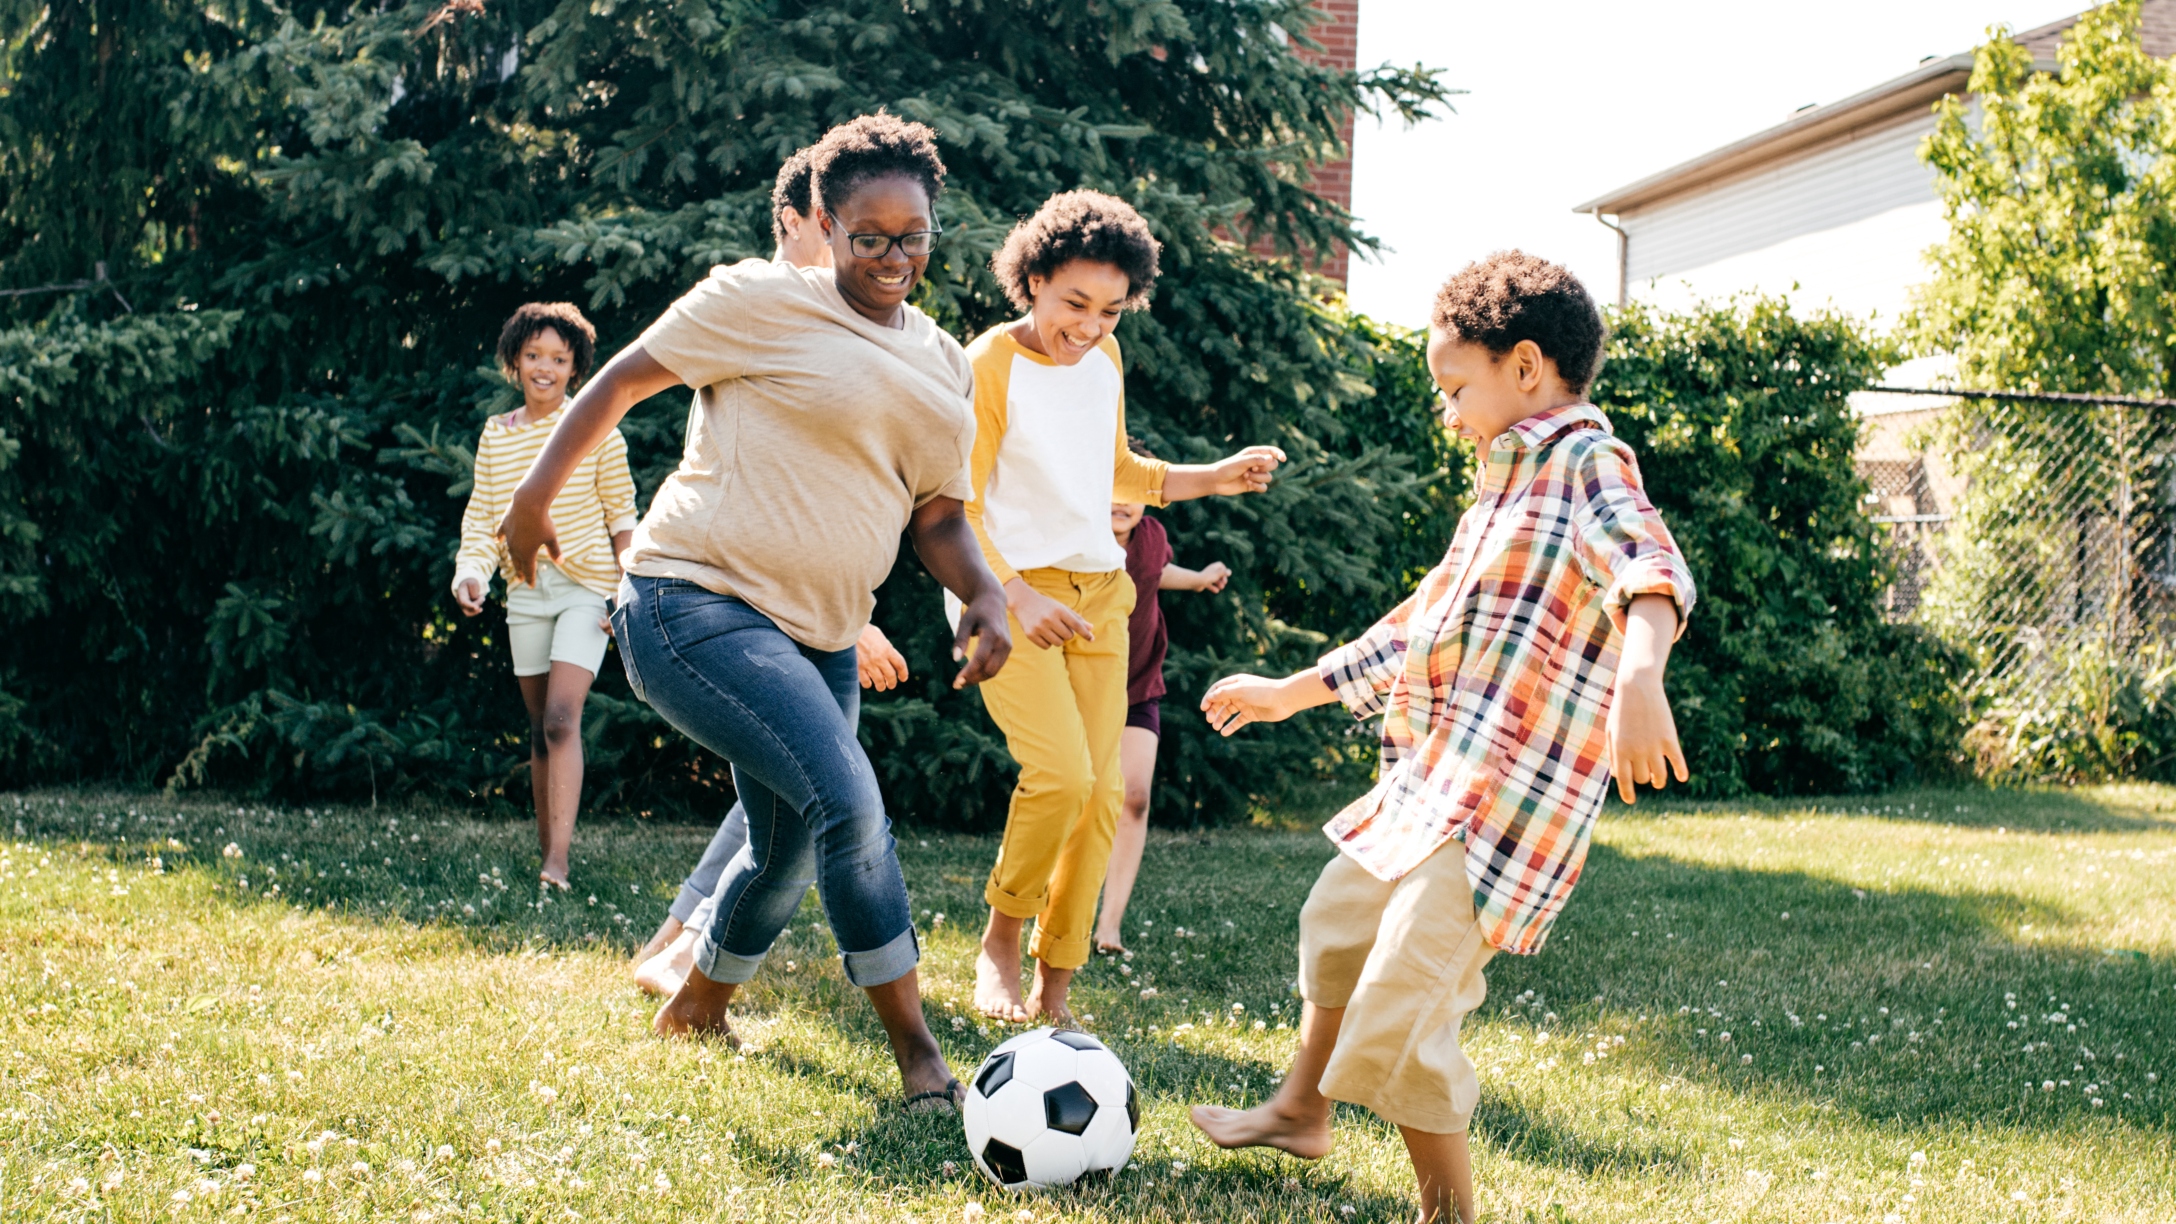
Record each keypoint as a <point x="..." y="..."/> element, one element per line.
<point x="1246" y="472"/>
<point x="1214" y="575"/>
<point x="1044" y="620"/>
<point x="882" y="667"/>
<point x="1235" y="701"/>
<point x="1643" y="743"/>
<point x="470" y="595"/>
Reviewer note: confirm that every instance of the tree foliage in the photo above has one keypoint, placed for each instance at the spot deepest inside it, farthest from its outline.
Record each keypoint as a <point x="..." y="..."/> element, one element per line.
<point x="232" y="462"/>
<point x="1788" y="679"/>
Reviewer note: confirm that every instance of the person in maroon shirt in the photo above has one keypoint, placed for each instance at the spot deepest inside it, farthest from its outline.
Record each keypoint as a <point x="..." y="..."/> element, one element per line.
<point x="1148" y="563"/>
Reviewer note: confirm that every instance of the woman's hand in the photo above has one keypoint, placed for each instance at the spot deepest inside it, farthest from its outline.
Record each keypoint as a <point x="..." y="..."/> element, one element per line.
<point x="983" y="639"/>
<point x="1235" y="701"/>
<point x="946" y="545"/>
<point x="526" y="528"/>
<point x="470" y="595"/>
<point x="1044" y="620"/>
<point x="882" y="667"/>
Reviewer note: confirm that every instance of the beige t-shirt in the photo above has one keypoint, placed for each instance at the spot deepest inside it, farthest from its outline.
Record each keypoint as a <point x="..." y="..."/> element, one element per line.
<point x="813" y="435"/>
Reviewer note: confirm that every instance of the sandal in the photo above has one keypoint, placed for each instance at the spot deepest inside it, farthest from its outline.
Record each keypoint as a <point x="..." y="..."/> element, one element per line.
<point x="944" y="1100"/>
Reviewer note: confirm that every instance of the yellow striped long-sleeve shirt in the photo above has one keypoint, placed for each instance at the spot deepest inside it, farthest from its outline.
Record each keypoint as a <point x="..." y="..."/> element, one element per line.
<point x="597" y="502"/>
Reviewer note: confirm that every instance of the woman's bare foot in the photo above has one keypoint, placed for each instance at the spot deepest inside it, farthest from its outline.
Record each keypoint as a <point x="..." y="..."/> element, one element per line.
<point x="997" y="971"/>
<point x="548" y="880"/>
<point x="1273" y="1124"/>
<point x="667" y="931"/>
<point x="664" y="973"/>
<point x="697" y="1009"/>
<point x="1048" y="1001"/>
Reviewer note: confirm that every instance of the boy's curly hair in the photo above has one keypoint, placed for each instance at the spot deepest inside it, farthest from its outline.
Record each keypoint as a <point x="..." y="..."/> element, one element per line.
<point x="872" y="147"/>
<point x="1513" y="296"/>
<point x="1078" y="225"/>
<point x="792" y="190"/>
<point x="562" y="317"/>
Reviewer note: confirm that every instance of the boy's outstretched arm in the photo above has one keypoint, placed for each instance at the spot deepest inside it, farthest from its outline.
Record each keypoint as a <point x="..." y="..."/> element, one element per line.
<point x="1643" y="743"/>
<point x="1235" y="701"/>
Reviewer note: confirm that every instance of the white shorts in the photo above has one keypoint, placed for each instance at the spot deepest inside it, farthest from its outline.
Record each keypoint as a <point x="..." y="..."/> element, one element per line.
<point x="556" y="621"/>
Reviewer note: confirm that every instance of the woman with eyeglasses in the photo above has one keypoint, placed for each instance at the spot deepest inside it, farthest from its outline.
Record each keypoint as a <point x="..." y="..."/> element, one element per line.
<point x="829" y="415"/>
<point x="1050" y="458"/>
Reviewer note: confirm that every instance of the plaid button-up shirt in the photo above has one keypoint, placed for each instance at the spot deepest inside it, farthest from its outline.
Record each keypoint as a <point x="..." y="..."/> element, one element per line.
<point x="1494" y="679"/>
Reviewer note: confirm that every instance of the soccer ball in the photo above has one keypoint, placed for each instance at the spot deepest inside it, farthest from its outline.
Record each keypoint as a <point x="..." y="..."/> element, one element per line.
<point x="1048" y="1107"/>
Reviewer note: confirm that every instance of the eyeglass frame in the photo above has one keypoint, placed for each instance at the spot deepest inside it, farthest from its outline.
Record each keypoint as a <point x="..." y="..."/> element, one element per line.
<point x="897" y="240"/>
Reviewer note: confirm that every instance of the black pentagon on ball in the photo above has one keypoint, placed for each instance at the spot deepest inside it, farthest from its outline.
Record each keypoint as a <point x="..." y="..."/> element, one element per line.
<point x="995" y="1075"/>
<point x="1068" y="1108"/>
<point x="1133" y="1108"/>
<point x="1079" y="1041"/>
<point x="1005" y="1161"/>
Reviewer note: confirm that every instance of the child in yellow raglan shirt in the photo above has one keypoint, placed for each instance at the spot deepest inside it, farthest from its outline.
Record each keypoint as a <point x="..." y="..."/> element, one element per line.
<point x="1050" y="457"/>
<point x="556" y="628"/>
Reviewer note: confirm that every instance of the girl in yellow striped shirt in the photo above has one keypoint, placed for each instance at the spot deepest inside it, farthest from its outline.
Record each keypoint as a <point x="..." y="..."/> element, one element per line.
<point x="557" y="627"/>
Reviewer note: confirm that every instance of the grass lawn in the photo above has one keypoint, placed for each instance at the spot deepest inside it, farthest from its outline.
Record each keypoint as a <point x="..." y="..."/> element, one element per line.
<point x="1939" y="1006"/>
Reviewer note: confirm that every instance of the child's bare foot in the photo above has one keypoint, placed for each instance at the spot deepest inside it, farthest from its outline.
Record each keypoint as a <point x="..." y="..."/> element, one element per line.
<point x="664" y="973"/>
<point x="1048" y="1000"/>
<point x="997" y="971"/>
<point x="1273" y="1124"/>
<point x="667" y="931"/>
<point x="697" y="1009"/>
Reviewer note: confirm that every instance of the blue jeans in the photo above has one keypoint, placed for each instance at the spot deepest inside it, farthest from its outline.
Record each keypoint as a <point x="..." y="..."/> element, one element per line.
<point x="783" y="715"/>
<point x="702" y="883"/>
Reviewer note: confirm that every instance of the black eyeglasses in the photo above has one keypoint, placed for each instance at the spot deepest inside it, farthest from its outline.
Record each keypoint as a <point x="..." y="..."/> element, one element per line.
<point x="877" y="246"/>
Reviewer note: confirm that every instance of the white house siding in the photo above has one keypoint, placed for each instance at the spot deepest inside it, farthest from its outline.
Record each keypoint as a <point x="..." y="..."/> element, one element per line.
<point x="1865" y="267"/>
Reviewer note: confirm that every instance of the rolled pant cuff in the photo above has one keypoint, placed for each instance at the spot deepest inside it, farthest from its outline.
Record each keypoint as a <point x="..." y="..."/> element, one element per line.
<point x="1427" y="1121"/>
<point x="889" y="963"/>
<point x="685" y="905"/>
<point x="1011" y="906"/>
<point x="1059" y="952"/>
<point x="725" y="967"/>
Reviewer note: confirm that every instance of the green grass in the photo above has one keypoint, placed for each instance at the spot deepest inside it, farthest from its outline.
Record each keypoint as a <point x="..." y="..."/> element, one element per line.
<point x="324" y="1007"/>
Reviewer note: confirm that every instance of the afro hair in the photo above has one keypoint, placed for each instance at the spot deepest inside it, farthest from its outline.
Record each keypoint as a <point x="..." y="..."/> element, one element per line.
<point x="562" y="317"/>
<point x="1513" y="296"/>
<point x="1078" y="225"/>
<point x="872" y="147"/>
<point x="792" y="190"/>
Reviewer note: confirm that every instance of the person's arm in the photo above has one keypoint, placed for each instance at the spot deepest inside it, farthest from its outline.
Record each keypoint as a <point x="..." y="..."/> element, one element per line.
<point x="479" y="552"/>
<point x="1235" y="701"/>
<point x="1643" y="743"/>
<point x="626" y="380"/>
<point x="881" y="665"/>
<point x="948" y="549"/>
<point x="1210" y="578"/>
<point x="621" y="542"/>
<point x="1249" y="471"/>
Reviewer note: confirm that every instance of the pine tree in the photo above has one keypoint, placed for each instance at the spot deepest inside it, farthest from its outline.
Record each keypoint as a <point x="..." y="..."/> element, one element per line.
<point x="270" y="246"/>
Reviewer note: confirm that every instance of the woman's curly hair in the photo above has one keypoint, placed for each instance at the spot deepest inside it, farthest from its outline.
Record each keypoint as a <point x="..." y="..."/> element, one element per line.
<point x="1084" y="225"/>
<point x="1513" y="296"/>
<point x="562" y="317"/>
<point x="871" y="147"/>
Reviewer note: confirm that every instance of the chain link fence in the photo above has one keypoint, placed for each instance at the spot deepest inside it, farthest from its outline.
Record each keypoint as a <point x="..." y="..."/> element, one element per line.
<point x="2039" y="539"/>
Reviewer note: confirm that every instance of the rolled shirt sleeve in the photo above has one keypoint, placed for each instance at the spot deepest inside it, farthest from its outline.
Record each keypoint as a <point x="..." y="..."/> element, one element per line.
<point x="1622" y="543"/>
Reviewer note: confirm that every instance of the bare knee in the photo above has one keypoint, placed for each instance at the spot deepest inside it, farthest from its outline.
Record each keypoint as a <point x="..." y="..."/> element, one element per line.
<point x="1133" y="809"/>
<point x="561" y="729"/>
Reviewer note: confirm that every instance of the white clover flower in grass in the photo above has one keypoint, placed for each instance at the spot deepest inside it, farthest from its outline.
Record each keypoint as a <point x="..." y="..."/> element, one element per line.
<point x="231" y="850"/>
<point x="313" y="1175"/>
<point x="972" y="1213"/>
<point x="444" y="1152"/>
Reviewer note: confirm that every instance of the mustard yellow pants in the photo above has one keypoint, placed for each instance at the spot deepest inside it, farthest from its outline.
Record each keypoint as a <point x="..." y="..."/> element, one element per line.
<point x="1062" y="710"/>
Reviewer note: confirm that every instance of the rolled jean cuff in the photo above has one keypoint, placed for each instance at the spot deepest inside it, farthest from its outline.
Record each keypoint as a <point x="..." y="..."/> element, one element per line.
<point x="685" y="905"/>
<point x="1012" y="905"/>
<point x="889" y="963"/>
<point x="719" y="965"/>
<point x="1058" y="951"/>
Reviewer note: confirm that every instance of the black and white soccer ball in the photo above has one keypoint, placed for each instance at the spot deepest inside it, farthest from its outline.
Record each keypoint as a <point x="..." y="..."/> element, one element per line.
<point x="1049" y="1107"/>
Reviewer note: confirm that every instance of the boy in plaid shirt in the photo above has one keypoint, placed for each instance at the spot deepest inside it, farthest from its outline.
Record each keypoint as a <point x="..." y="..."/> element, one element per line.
<point x="1522" y="675"/>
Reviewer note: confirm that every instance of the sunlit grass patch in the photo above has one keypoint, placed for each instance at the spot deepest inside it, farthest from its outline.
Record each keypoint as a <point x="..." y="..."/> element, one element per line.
<point x="1935" y="1006"/>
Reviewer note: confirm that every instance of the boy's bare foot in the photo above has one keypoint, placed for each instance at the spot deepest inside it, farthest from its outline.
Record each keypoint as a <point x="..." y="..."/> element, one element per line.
<point x="697" y="1009"/>
<point x="1271" y="1124"/>
<point x="667" y="931"/>
<point x="664" y="973"/>
<point x="997" y="971"/>
<point x="1110" y="946"/>
<point x="1048" y="1000"/>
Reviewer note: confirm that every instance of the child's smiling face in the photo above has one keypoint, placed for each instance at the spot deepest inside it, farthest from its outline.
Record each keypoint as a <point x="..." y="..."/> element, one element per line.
<point x="1076" y="306"/>
<point x="545" y="368"/>
<point x="1125" y="516"/>
<point x="1485" y="393"/>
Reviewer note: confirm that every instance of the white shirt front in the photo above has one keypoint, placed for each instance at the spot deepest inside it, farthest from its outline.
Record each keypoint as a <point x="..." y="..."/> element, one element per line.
<point x="1048" y="501"/>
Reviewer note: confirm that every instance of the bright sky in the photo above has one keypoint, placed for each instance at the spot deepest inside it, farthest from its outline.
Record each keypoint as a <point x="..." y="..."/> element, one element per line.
<point x="1572" y="98"/>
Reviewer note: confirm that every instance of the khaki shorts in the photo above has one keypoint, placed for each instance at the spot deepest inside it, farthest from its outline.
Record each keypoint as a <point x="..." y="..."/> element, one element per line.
<point x="556" y="621"/>
<point x="1404" y="960"/>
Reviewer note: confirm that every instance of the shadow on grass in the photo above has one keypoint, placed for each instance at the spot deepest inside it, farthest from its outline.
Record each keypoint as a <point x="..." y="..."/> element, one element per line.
<point x="2113" y="809"/>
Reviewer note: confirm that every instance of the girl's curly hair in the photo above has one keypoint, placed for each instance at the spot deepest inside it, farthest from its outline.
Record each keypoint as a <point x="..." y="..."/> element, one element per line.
<point x="562" y="317"/>
<point x="1083" y="225"/>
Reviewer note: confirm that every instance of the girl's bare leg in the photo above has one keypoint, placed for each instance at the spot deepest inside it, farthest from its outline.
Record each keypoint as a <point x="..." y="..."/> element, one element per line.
<point x="1297" y="1119"/>
<point x="1444" y="1167"/>
<point x="1137" y="759"/>
<point x="559" y="733"/>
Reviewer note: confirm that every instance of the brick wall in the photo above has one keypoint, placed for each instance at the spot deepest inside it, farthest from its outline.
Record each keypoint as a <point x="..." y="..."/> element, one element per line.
<point x="1339" y="34"/>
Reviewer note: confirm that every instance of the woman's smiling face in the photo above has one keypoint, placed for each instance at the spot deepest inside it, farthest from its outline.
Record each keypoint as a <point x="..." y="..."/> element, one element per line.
<point x="1076" y="306"/>
<point x="891" y="206"/>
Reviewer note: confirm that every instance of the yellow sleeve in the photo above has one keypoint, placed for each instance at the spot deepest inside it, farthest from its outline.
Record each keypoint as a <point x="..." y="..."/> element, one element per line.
<point x="478" y="556"/>
<point x="992" y="366"/>
<point x="1133" y="479"/>
<point x="615" y="484"/>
